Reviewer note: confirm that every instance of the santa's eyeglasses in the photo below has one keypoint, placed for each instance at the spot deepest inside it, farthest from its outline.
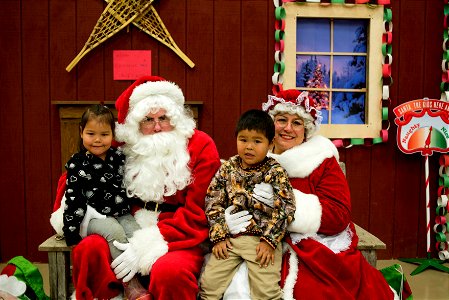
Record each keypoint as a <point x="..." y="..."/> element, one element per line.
<point x="150" y="122"/>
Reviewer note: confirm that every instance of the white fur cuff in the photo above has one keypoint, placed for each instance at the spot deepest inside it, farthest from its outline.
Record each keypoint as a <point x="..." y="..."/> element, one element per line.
<point x="149" y="245"/>
<point x="308" y="213"/>
<point x="57" y="218"/>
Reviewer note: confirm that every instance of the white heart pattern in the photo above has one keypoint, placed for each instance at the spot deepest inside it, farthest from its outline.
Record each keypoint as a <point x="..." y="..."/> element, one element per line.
<point x="107" y="196"/>
<point x="108" y="175"/>
<point x="106" y="210"/>
<point x="71" y="166"/>
<point x="102" y="179"/>
<point x="79" y="212"/>
<point x="69" y="191"/>
<point x="72" y="228"/>
<point x="69" y="218"/>
<point x="118" y="199"/>
<point x="97" y="166"/>
<point x="82" y="173"/>
<point x="89" y="194"/>
<point x="73" y="178"/>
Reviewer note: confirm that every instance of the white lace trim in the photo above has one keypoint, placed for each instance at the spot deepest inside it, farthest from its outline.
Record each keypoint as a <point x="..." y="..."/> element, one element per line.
<point x="303" y="97"/>
<point x="337" y="243"/>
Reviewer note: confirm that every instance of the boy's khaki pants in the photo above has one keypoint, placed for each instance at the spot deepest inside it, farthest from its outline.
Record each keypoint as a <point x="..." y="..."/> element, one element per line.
<point x="264" y="282"/>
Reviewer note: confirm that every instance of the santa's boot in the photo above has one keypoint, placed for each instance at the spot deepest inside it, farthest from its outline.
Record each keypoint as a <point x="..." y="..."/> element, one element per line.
<point x="135" y="291"/>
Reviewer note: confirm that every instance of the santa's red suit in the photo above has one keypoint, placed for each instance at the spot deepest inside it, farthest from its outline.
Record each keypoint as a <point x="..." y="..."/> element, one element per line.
<point x="167" y="174"/>
<point x="179" y="263"/>
<point x="321" y="260"/>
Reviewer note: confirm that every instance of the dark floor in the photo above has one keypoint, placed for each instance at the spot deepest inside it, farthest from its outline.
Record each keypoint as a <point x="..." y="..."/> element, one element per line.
<point x="427" y="285"/>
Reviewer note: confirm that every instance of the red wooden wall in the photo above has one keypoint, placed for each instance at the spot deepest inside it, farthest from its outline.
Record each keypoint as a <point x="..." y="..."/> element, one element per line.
<point x="232" y="44"/>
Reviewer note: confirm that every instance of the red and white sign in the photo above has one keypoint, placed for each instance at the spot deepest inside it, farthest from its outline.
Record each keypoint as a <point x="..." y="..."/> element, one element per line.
<point x="423" y="126"/>
<point x="131" y="64"/>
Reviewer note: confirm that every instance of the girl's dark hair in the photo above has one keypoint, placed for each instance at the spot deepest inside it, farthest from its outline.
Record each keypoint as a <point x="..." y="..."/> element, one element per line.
<point x="257" y="120"/>
<point x="101" y="113"/>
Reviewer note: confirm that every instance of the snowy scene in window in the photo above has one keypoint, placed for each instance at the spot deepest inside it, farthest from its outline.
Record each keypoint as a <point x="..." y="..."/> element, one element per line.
<point x="331" y="63"/>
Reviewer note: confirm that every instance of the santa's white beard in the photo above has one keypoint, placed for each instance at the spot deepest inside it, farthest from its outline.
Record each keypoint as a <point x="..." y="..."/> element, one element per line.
<point x="157" y="166"/>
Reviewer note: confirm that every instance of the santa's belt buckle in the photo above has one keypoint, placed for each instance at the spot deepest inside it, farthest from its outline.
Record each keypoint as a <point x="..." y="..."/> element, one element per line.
<point x="148" y="208"/>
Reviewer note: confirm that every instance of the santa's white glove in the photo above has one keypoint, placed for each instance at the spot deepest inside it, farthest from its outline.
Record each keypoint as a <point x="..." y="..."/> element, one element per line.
<point x="90" y="214"/>
<point x="237" y="222"/>
<point x="126" y="264"/>
<point x="263" y="192"/>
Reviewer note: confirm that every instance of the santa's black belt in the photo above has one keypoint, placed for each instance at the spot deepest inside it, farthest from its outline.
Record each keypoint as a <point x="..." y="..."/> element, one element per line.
<point x="157" y="207"/>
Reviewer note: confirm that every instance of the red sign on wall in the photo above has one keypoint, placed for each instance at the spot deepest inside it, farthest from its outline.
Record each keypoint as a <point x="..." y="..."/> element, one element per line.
<point x="131" y="64"/>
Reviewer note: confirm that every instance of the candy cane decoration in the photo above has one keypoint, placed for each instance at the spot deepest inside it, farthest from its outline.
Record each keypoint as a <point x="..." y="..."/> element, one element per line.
<point x="426" y="164"/>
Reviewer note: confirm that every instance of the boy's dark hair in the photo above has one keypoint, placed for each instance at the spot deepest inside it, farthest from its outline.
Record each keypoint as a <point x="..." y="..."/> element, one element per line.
<point x="99" y="112"/>
<point x="257" y="120"/>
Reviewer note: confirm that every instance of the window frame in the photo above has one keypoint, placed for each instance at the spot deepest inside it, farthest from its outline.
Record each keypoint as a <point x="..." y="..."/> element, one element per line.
<point x="374" y="14"/>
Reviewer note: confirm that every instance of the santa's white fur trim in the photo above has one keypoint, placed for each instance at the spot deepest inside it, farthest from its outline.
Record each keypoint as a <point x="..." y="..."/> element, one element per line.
<point x="149" y="245"/>
<point x="57" y="218"/>
<point x="301" y="160"/>
<point x="156" y="88"/>
<point x="146" y="218"/>
<point x="292" y="276"/>
<point x="308" y="213"/>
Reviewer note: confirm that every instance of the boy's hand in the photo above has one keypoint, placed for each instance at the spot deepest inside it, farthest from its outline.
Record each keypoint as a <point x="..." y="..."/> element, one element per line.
<point x="265" y="254"/>
<point x="220" y="249"/>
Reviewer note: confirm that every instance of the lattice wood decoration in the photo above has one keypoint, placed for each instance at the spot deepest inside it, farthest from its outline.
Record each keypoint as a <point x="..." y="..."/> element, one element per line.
<point x="117" y="15"/>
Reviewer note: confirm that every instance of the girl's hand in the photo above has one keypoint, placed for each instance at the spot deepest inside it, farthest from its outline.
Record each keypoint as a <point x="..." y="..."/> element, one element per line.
<point x="265" y="254"/>
<point x="220" y="249"/>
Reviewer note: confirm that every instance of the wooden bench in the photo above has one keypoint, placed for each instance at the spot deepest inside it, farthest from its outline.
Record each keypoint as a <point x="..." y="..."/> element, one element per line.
<point x="369" y="244"/>
<point x="58" y="267"/>
<point x="59" y="260"/>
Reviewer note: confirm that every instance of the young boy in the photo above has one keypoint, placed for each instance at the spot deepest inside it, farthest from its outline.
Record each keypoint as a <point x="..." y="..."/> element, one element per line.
<point x="234" y="184"/>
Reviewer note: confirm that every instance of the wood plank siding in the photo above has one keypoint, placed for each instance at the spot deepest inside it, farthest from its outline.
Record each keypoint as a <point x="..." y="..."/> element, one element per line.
<point x="231" y="43"/>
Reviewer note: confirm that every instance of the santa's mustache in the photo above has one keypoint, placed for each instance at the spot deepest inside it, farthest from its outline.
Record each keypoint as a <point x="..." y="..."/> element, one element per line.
<point x="157" y="144"/>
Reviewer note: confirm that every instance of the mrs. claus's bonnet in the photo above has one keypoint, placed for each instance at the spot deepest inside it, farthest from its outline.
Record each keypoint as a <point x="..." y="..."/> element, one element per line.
<point x="293" y="101"/>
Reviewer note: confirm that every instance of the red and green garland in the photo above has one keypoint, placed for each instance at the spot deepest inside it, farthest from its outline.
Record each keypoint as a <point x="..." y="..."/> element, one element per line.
<point x="387" y="81"/>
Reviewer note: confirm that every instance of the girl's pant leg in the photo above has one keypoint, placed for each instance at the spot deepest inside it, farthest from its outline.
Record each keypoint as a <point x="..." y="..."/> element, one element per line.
<point x="129" y="224"/>
<point x="111" y="230"/>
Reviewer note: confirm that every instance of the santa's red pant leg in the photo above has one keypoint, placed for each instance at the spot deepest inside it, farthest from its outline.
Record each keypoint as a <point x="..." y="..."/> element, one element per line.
<point x="92" y="274"/>
<point x="175" y="275"/>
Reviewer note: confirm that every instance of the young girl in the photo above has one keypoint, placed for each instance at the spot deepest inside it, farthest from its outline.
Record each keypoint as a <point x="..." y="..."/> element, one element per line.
<point x="94" y="181"/>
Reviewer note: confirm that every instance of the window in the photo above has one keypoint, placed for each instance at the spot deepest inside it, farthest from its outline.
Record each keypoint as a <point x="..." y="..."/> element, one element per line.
<point x="335" y="53"/>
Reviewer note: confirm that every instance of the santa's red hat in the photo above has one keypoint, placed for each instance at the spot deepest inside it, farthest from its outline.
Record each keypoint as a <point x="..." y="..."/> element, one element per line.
<point x="293" y="101"/>
<point x="143" y="88"/>
<point x="150" y="93"/>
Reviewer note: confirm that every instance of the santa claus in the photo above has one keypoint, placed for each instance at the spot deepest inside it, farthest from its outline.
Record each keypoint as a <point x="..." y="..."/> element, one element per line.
<point x="169" y="165"/>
